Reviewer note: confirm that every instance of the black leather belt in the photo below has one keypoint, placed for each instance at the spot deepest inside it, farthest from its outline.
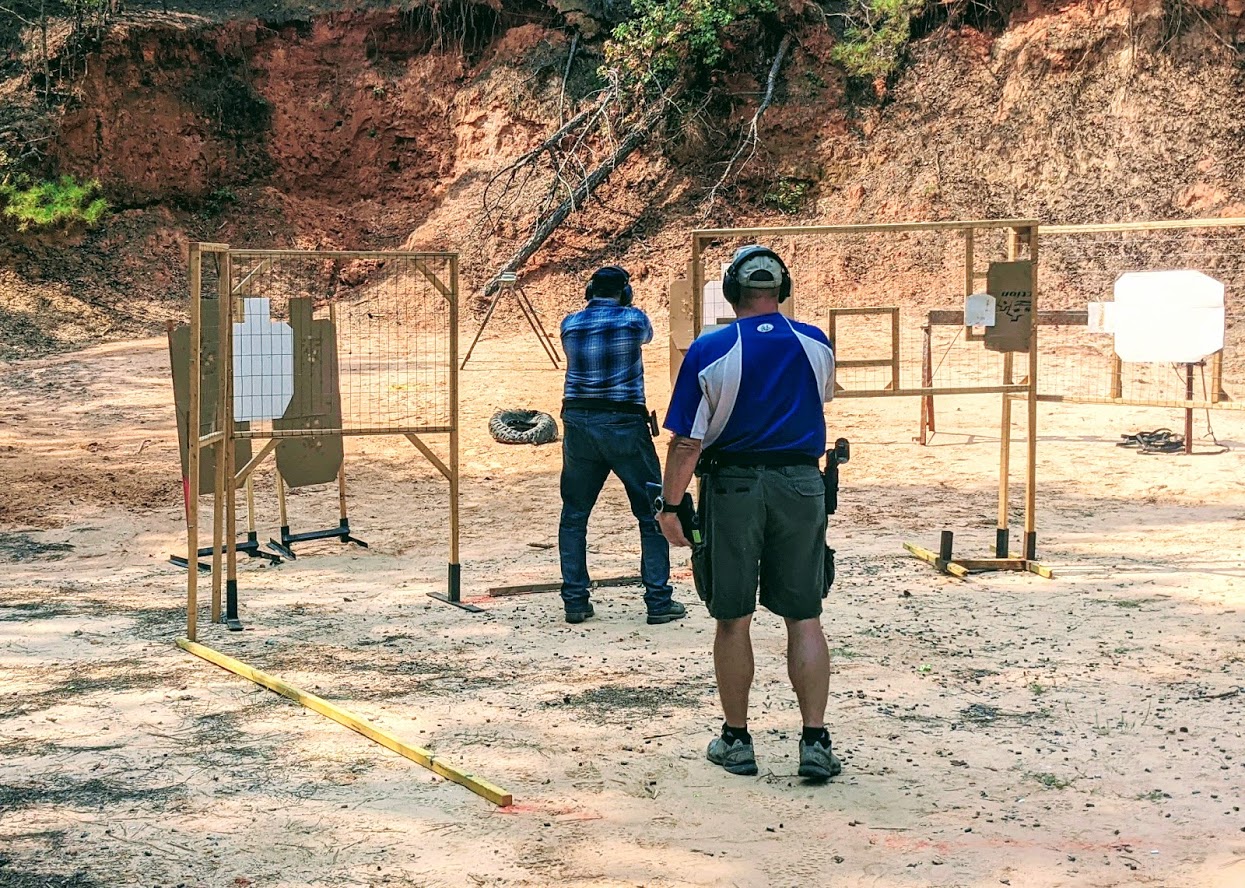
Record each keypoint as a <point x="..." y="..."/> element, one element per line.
<point x="772" y="459"/>
<point x="601" y="405"/>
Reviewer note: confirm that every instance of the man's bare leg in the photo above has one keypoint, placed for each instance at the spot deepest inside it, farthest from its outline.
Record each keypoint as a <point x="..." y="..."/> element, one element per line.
<point x="808" y="666"/>
<point x="732" y="661"/>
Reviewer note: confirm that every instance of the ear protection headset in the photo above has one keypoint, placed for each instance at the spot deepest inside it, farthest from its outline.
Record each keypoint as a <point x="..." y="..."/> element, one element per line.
<point x="730" y="281"/>
<point x="604" y="283"/>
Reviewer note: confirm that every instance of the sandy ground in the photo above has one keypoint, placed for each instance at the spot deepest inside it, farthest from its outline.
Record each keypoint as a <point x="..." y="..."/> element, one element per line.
<point x="1007" y="730"/>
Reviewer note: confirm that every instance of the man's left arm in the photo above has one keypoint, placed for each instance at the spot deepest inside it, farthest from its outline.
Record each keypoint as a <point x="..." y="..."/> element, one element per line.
<point x="646" y="327"/>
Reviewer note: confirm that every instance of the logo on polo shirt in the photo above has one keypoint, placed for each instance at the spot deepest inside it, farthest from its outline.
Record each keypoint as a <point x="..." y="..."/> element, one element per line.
<point x="765" y="328"/>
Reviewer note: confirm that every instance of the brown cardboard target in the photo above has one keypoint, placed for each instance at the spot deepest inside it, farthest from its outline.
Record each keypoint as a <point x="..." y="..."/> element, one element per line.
<point x="316" y="404"/>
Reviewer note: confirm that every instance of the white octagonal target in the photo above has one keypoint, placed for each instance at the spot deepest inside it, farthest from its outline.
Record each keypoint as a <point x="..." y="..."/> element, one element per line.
<point x="1167" y="316"/>
<point x="263" y="364"/>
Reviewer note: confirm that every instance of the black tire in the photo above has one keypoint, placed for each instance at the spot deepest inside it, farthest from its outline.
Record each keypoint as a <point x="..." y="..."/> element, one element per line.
<point x="522" y="427"/>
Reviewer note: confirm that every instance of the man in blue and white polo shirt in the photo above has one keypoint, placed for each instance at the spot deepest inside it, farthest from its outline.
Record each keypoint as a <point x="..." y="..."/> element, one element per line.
<point x="606" y="430"/>
<point x="748" y="407"/>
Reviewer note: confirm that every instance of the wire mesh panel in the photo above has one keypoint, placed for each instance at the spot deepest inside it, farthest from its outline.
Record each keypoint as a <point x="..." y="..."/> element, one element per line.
<point x="343" y="343"/>
<point x="1080" y="266"/>
<point x="873" y="291"/>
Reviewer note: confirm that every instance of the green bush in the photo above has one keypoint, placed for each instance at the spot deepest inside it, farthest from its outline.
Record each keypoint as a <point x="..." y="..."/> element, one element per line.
<point x="788" y="196"/>
<point x="49" y="203"/>
<point x="875" y="36"/>
<point x="665" y="37"/>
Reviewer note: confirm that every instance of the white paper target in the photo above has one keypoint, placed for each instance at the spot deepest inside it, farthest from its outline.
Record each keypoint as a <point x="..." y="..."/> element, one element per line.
<point x="1168" y="317"/>
<point x="979" y="310"/>
<point x="713" y="304"/>
<point x="263" y="368"/>
<point x="1102" y="317"/>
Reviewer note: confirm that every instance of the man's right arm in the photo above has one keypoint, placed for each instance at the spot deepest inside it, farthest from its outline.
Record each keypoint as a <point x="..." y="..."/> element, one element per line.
<point x="681" y="458"/>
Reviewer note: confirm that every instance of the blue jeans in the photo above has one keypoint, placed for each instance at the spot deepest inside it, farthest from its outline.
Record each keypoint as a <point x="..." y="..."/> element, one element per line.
<point x="594" y="443"/>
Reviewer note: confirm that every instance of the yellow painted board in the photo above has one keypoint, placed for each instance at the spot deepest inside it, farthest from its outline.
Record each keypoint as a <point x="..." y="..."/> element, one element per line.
<point x="482" y="788"/>
<point x="1041" y="570"/>
<point x="932" y="558"/>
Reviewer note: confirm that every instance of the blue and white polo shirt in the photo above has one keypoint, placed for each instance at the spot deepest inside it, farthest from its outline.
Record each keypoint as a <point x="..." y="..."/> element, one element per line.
<point x="756" y="386"/>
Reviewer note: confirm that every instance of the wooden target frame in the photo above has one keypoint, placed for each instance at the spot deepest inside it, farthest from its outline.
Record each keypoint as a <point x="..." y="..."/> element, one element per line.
<point x="223" y="432"/>
<point x="686" y="312"/>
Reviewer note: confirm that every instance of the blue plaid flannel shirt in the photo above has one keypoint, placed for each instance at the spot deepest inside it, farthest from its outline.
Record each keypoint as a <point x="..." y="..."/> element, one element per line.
<point x="603" y="345"/>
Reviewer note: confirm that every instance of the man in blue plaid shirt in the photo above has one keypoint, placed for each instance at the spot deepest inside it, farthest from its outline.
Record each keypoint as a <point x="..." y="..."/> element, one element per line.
<point x="606" y="430"/>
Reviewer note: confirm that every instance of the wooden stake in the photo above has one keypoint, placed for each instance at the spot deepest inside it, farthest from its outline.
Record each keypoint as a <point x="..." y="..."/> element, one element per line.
<point x="1188" y="412"/>
<point x="193" y="432"/>
<point x="454" y="567"/>
<point x="1030" y="541"/>
<point x="480" y="787"/>
<point x="231" y="490"/>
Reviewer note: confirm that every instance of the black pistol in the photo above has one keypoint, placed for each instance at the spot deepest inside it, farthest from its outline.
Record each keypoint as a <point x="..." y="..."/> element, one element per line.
<point x="841" y="453"/>
<point x="686" y="514"/>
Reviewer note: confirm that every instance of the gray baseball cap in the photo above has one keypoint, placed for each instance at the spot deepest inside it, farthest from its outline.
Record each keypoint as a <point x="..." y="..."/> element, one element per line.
<point x="761" y="271"/>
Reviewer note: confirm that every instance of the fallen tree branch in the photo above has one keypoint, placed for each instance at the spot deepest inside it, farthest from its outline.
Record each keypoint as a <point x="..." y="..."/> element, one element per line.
<point x="633" y="140"/>
<point x="527" y="163"/>
<point x="751" y="136"/>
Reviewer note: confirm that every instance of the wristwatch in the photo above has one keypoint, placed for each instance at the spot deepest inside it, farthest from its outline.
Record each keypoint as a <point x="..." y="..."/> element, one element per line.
<point x="660" y="505"/>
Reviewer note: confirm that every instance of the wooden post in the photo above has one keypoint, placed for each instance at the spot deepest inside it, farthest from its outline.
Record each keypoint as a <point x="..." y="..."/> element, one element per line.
<point x="927" y="381"/>
<point x="222" y="464"/>
<point x="1030" y="550"/>
<point x="1117" y="372"/>
<point x="193" y="431"/>
<point x="1002" y="542"/>
<point x="455" y="567"/>
<point x="1217" y="393"/>
<point x="1188" y="411"/>
<point x="895" y="381"/>
<point x="698" y="286"/>
<point x="282" y="515"/>
<point x="227" y="430"/>
<point x="250" y="505"/>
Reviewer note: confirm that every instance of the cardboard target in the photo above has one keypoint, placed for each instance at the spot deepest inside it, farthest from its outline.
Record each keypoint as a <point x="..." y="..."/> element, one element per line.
<point x="316" y="403"/>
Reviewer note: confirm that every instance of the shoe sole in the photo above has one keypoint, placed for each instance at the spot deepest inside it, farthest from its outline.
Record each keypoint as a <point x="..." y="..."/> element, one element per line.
<point x="817" y="772"/>
<point x="665" y="618"/>
<point x="578" y="618"/>
<point x="741" y="769"/>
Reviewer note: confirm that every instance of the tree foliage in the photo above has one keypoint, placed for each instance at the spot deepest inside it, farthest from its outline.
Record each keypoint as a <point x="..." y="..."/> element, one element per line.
<point x="875" y="36"/>
<point x="664" y="39"/>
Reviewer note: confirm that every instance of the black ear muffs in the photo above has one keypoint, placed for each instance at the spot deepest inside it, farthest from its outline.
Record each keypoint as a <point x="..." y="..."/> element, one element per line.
<point x="597" y="282"/>
<point x="730" y="281"/>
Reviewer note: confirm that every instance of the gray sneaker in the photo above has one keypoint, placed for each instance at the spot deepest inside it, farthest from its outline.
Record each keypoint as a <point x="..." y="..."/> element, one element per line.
<point x="737" y="757"/>
<point x="818" y="762"/>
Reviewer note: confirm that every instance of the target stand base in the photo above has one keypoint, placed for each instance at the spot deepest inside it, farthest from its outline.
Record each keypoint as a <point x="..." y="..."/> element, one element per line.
<point x="250" y="547"/>
<point x="453" y="594"/>
<point x="962" y="568"/>
<point x="286" y="544"/>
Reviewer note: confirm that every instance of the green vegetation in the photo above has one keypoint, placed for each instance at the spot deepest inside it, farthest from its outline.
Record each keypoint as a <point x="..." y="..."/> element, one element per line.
<point x="49" y="203"/>
<point x="1037" y="688"/>
<point x="1050" y="781"/>
<point x="875" y="37"/>
<point x="788" y="196"/>
<point x="665" y="38"/>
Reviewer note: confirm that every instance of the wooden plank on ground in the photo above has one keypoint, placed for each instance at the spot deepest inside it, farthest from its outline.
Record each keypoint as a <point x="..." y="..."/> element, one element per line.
<point x="480" y="787"/>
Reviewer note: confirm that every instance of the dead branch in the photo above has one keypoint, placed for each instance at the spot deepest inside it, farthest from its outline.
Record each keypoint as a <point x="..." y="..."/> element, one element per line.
<point x="751" y="139"/>
<point x="525" y="166"/>
<point x="633" y="140"/>
<point x="566" y="74"/>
